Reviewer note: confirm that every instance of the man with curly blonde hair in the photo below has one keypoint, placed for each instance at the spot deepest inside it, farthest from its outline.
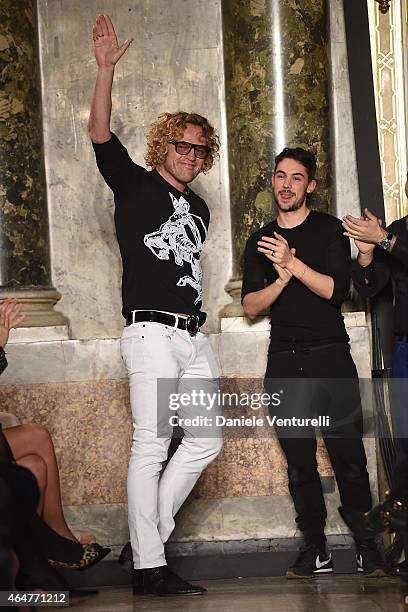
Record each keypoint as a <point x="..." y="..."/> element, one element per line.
<point x="161" y="225"/>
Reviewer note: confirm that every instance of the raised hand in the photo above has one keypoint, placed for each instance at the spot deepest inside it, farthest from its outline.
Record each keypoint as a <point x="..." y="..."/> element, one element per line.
<point x="9" y="317"/>
<point x="106" y="48"/>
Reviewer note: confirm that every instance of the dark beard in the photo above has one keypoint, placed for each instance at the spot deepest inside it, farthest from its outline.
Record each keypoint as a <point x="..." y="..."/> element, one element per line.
<point x="295" y="206"/>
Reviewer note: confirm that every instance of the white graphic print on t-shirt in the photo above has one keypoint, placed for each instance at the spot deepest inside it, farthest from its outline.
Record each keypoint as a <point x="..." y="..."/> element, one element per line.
<point x="181" y="236"/>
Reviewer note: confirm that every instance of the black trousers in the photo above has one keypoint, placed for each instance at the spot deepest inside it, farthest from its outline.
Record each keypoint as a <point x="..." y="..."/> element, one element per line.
<point x="399" y="489"/>
<point x="321" y="381"/>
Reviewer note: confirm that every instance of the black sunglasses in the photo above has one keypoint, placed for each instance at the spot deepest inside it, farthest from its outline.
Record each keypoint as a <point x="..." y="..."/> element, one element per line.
<point x="184" y="148"/>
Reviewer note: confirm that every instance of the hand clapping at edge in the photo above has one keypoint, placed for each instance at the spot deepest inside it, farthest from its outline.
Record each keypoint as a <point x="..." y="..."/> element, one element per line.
<point x="366" y="231"/>
<point x="9" y="317"/>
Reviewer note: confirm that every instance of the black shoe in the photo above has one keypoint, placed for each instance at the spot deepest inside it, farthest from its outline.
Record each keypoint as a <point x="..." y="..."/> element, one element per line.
<point x="126" y="557"/>
<point x="312" y="561"/>
<point x="401" y="570"/>
<point x="369" y="559"/>
<point x="161" y="581"/>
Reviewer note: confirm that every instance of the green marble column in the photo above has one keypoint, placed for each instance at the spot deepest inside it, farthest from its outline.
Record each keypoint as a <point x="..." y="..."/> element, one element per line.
<point x="25" y="268"/>
<point x="276" y="95"/>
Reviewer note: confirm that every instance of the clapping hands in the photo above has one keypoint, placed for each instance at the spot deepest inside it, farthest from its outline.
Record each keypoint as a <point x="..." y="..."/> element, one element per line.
<point x="277" y="250"/>
<point x="366" y="231"/>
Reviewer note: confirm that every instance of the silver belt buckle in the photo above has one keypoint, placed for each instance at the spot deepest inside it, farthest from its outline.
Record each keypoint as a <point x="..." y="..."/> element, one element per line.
<point x="193" y="324"/>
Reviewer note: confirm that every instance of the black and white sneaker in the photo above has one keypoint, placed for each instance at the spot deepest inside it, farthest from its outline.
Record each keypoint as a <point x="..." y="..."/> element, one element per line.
<point x="369" y="559"/>
<point x="312" y="561"/>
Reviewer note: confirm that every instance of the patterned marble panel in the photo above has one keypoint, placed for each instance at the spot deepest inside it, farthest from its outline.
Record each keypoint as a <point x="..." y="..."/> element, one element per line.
<point x="244" y="352"/>
<point x="107" y="521"/>
<point x="221" y="523"/>
<point x="251" y="467"/>
<point x="345" y="194"/>
<point x="60" y="361"/>
<point x="36" y="362"/>
<point x="241" y="349"/>
<point x="25" y="259"/>
<point x="276" y="96"/>
<point x="91" y="429"/>
<point x="360" y="350"/>
<point x="388" y="49"/>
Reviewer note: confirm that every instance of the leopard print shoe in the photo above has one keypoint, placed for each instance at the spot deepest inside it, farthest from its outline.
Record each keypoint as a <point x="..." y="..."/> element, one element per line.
<point x="92" y="553"/>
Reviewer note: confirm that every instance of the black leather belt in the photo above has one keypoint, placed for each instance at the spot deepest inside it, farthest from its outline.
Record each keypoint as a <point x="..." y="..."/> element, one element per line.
<point x="401" y="338"/>
<point x="309" y="349"/>
<point x="192" y="323"/>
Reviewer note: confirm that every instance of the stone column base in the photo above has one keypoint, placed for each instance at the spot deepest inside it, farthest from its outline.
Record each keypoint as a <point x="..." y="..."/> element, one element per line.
<point x="38" y="306"/>
<point x="234" y="309"/>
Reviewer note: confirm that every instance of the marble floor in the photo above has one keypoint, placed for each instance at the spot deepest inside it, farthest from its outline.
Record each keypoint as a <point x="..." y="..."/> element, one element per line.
<point x="345" y="593"/>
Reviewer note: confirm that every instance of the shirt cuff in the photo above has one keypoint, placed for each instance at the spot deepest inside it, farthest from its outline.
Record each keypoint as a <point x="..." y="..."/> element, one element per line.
<point x="361" y="274"/>
<point x="399" y="251"/>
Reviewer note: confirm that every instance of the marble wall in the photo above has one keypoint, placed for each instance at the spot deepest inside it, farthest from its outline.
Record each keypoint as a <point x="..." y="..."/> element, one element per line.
<point x="175" y="62"/>
<point x="77" y="387"/>
<point x="92" y="431"/>
<point x="24" y="256"/>
<point x="345" y="193"/>
<point x="276" y="96"/>
<point x="78" y="390"/>
<point x="167" y="68"/>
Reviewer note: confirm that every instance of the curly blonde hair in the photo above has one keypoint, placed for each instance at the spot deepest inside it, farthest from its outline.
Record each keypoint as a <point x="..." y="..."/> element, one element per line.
<point x="170" y="126"/>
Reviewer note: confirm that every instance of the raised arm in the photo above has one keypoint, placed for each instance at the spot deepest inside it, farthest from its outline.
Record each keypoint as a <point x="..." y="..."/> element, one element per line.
<point x="107" y="54"/>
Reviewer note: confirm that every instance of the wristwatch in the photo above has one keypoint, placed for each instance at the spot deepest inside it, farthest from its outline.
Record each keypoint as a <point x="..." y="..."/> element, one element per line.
<point x="386" y="242"/>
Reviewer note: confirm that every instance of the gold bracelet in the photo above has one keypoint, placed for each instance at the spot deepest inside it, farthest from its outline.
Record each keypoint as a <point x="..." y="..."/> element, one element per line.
<point x="303" y="273"/>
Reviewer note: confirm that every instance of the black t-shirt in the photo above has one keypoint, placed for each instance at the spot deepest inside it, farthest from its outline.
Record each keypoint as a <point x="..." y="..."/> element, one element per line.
<point x="394" y="264"/>
<point x="160" y="231"/>
<point x="299" y="316"/>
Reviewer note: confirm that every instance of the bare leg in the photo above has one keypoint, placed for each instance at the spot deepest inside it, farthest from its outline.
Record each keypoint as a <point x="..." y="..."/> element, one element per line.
<point x="37" y="466"/>
<point x="35" y="440"/>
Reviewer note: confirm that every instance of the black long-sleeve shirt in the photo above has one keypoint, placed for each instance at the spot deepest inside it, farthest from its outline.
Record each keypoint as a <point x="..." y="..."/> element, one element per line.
<point x="299" y="316"/>
<point x="385" y="265"/>
<point x="3" y="360"/>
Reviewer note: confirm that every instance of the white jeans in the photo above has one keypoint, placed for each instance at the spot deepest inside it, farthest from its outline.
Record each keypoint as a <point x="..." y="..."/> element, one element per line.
<point x="153" y="351"/>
